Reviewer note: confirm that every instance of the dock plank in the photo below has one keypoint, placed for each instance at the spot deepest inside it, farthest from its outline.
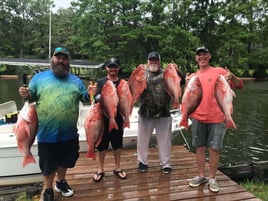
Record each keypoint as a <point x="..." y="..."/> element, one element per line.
<point x="152" y="185"/>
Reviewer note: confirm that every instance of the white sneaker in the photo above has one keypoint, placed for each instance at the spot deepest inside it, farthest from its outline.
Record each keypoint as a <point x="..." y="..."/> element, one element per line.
<point x="63" y="188"/>
<point x="213" y="186"/>
<point x="197" y="181"/>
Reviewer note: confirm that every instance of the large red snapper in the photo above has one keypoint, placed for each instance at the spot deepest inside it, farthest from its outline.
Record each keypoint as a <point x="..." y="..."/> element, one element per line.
<point x="224" y="96"/>
<point x="109" y="102"/>
<point x="94" y="127"/>
<point x="137" y="82"/>
<point x="125" y="102"/>
<point x="173" y="84"/>
<point x="25" y="131"/>
<point x="190" y="100"/>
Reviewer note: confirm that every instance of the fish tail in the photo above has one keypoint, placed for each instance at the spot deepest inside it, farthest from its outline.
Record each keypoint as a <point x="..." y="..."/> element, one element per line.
<point x="91" y="154"/>
<point x="230" y="124"/>
<point x="28" y="159"/>
<point x="184" y="123"/>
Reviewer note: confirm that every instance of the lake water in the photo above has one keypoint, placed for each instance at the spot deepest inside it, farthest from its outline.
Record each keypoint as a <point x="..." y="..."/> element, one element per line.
<point x="246" y="144"/>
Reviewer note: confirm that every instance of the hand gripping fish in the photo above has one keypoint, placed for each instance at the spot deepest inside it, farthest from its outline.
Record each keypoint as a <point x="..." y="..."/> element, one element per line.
<point x="25" y="131"/>
<point x="94" y="127"/>
<point x="109" y="102"/>
<point x="137" y="82"/>
<point x="190" y="100"/>
<point x="173" y="84"/>
<point x="125" y="102"/>
<point x="224" y="96"/>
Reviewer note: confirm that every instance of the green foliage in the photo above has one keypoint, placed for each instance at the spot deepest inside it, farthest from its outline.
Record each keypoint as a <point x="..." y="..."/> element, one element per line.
<point x="3" y="68"/>
<point x="259" y="189"/>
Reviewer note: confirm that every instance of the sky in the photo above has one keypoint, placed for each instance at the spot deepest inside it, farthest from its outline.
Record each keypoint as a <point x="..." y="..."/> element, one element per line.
<point x="62" y="3"/>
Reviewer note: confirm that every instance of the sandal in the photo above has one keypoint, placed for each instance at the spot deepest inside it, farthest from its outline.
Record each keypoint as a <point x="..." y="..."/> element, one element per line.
<point x="98" y="176"/>
<point x="120" y="173"/>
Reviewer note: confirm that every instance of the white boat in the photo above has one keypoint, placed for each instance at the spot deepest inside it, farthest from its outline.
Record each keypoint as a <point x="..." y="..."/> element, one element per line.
<point x="11" y="170"/>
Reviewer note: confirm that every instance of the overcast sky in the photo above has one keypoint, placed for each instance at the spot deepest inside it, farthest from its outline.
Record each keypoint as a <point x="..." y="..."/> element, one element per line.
<point x="62" y="3"/>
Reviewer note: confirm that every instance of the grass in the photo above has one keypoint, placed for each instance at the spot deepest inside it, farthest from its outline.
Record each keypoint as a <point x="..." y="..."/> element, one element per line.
<point x="259" y="189"/>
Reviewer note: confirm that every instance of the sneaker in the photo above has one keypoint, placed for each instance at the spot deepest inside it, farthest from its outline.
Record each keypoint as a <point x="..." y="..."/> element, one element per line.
<point x="142" y="167"/>
<point x="197" y="181"/>
<point x="213" y="186"/>
<point x="48" y="195"/>
<point x="167" y="170"/>
<point x="63" y="187"/>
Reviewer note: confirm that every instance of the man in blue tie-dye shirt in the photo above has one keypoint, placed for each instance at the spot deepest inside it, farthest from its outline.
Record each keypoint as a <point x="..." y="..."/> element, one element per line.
<point x="57" y="93"/>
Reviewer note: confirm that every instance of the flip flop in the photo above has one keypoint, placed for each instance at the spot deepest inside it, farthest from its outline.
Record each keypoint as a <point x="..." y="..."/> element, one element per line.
<point x="120" y="174"/>
<point x="98" y="176"/>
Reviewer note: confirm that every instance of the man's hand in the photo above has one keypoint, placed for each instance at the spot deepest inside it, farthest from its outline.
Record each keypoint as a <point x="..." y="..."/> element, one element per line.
<point x="92" y="89"/>
<point x="24" y="92"/>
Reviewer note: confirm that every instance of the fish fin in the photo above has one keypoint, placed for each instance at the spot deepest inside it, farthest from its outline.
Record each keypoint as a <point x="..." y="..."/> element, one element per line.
<point x="27" y="160"/>
<point x="230" y="124"/>
<point x="20" y="147"/>
<point x="126" y="124"/>
<point x="91" y="154"/>
<point x="28" y="131"/>
<point x="175" y="105"/>
<point x="184" y="123"/>
<point x="98" y="140"/>
<point x="113" y="125"/>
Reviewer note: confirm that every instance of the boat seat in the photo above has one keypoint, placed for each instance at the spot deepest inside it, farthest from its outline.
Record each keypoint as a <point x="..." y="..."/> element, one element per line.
<point x="9" y="106"/>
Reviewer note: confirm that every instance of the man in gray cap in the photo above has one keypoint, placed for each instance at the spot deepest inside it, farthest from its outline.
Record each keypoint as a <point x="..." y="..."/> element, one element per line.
<point x="154" y="113"/>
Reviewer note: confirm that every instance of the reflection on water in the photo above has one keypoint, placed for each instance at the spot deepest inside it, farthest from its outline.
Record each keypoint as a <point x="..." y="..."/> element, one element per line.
<point x="9" y="91"/>
<point x="248" y="143"/>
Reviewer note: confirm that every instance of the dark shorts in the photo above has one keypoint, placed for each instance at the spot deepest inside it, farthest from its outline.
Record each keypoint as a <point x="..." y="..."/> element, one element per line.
<point x="53" y="155"/>
<point x="115" y="136"/>
<point x="207" y="134"/>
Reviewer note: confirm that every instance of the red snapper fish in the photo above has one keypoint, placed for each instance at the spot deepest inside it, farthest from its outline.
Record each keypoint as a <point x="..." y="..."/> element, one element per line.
<point x="137" y="82"/>
<point x="94" y="127"/>
<point x="224" y="96"/>
<point x="25" y="131"/>
<point x="125" y="101"/>
<point x="109" y="102"/>
<point x="173" y="83"/>
<point x="190" y="100"/>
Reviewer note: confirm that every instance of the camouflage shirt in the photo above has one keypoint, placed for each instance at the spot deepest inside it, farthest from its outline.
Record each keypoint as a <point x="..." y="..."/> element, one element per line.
<point x="155" y="101"/>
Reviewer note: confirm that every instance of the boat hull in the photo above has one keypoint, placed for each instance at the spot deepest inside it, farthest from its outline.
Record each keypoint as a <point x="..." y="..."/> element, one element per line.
<point x="11" y="170"/>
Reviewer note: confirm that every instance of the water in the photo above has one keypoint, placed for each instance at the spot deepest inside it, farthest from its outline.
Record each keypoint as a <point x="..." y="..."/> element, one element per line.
<point x="248" y="143"/>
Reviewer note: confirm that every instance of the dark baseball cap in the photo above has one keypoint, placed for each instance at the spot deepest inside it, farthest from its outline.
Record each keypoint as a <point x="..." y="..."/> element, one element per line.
<point x="61" y="50"/>
<point x="201" y="49"/>
<point x="154" y="55"/>
<point x="112" y="62"/>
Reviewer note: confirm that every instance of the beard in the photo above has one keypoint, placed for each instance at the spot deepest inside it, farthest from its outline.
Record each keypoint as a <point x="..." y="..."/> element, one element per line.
<point x="60" y="69"/>
<point x="153" y="67"/>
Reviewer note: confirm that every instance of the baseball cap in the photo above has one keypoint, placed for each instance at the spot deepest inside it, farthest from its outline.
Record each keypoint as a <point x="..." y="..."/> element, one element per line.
<point x="201" y="49"/>
<point x="61" y="50"/>
<point x="112" y="62"/>
<point x="154" y="55"/>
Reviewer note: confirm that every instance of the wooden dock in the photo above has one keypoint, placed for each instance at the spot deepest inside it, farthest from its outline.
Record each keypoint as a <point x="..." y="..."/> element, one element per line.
<point x="153" y="185"/>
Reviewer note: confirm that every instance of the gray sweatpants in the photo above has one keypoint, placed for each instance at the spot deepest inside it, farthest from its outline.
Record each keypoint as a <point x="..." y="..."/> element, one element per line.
<point x="162" y="127"/>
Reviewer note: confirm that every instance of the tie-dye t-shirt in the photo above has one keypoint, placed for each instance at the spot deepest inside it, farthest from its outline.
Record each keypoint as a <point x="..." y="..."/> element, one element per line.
<point x="57" y="104"/>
